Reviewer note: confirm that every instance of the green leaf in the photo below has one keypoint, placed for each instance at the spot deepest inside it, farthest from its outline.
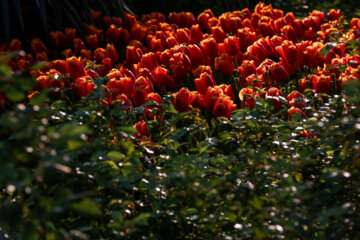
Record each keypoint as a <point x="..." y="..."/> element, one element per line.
<point x="74" y="144"/>
<point x="14" y="95"/>
<point x="116" y="156"/>
<point x="87" y="208"/>
<point x="40" y="98"/>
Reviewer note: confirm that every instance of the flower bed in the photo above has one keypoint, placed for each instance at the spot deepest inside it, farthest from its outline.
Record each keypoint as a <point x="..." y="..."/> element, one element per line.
<point x="242" y="125"/>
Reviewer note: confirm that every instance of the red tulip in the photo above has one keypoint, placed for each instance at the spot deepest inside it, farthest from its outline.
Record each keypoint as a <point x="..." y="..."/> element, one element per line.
<point x="218" y="34"/>
<point x="182" y="100"/>
<point x="322" y="84"/>
<point x="276" y="97"/>
<point x="247" y="94"/>
<point x="278" y="72"/>
<point x="82" y="86"/>
<point x="133" y="54"/>
<point x="142" y="128"/>
<point x="78" y="44"/>
<point x="138" y="32"/>
<point x="225" y="64"/>
<point x="223" y="107"/>
<point x="334" y="15"/>
<point x="288" y="51"/>
<point x="124" y="85"/>
<point x="195" y="34"/>
<point x="163" y="79"/>
<point x="75" y="68"/>
<point x="296" y="99"/>
<point x="143" y="87"/>
<point x="203" y="82"/>
<point x="58" y="38"/>
<point x="112" y="53"/>
<point x="92" y="41"/>
<point x="38" y="46"/>
<point x="113" y="34"/>
<point x="293" y="110"/>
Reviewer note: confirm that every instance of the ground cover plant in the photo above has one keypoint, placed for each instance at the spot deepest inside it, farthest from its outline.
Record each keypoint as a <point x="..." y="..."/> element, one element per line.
<point x="242" y="125"/>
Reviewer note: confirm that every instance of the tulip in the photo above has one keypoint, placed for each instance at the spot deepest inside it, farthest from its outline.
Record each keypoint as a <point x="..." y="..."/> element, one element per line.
<point x="163" y="79"/>
<point x="293" y="111"/>
<point x="123" y="101"/>
<point x="223" y="107"/>
<point x="211" y="96"/>
<point x="113" y="34"/>
<point x="225" y="64"/>
<point x="86" y="54"/>
<point x="82" y="86"/>
<point x="124" y="85"/>
<point x="142" y="129"/>
<point x="322" y="84"/>
<point x="278" y="72"/>
<point x="59" y="65"/>
<point x="15" y="45"/>
<point x="334" y="15"/>
<point x="195" y="34"/>
<point x="38" y="46"/>
<point x="203" y="82"/>
<point x="133" y="54"/>
<point x="149" y="60"/>
<point x="74" y="68"/>
<point x="296" y="99"/>
<point x="201" y="69"/>
<point x="247" y="94"/>
<point x="182" y="100"/>
<point x="288" y="51"/>
<point x="69" y="34"/>
<point x="143" y="87"/>
<point x="246" y="38"/>
<point x="138" y="32"/>
<point x="209" y="47"/>
<point x="276" y="97"/>
<point x="92" y="41"/>
<point x="78" y="44"/>
<point x="152" y="110"/>
<point x="112" y="53"/>
<point x="227" y="90"/>
<point x="58" y="38"/>
<point x="218" y="34"/>
<point x="231" y="45"/>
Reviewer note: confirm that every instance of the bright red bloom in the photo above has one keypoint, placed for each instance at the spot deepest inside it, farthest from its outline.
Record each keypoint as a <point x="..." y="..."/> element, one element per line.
<point x="143" y="87"/>
<point x="195" y="34"/>
<point x="225" y="64"/>
<point x="201" y="69"/>
<point x="246" y="38"/>
<point x="113" y="34"/>
<point x="82" y="86"/>
<point x="218" y="34"/>
<point x="275" y="95"/>
<point x="182" y="35"/>
<point x="196" y="56"/>
<point x="227" y="90"/>
<point x="334" y="15"/>
<point x="247" y="68"/>
<point x="123" y="85"/>
<point x="231" y="45"/>
<point x="288" y="51"/>
<point x="59" y="65"/>
<point x="133" y="54"/>
<point x="278" y="72"/>
<point x="163" y="79"/>
<point x="209" y="47"/>
<point x="311" y="55"/>
<point x="211" y="96"/>
<point x="293" y="110"/>
<point x="75" y="68"/>
<point x="112" y="53"/>
<point x="289" y="32"/>
<point x="143" y="130"/>
<point x="247" y="94"/>
<point x="223" y="107"/>
<point x="296" y="99"/>
<point x="151" y="111"/>
<point x="149" y="60"/>
<point x="182" y="100"/>
<point x="203" y="19"/>
<point x="203" y="82"/>
<point x="322" y="83"/>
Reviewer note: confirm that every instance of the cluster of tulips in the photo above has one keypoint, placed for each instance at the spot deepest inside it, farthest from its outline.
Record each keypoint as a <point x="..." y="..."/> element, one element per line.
<point x="260" y="52"/>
